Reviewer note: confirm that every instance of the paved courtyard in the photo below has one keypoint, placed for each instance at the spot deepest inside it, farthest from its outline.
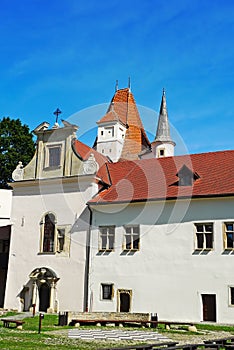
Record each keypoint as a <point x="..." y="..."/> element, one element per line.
<point x="113" y="334"/>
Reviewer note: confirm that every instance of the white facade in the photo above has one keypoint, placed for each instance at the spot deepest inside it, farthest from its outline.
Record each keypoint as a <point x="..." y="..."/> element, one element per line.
<point x="5" y="207"/>
<point x="110" y="139"/>
<point x="50" y="225"/>
<point x="168" y="275"/>
<point x="30" y="204"/>
<point x="162" y="149"/>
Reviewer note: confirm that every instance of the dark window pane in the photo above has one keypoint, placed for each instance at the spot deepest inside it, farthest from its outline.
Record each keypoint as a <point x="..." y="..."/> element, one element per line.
<point x="111" y="241"/>
<point x="104" y="240"/>
<point x="200" y="239"/>
<point x="199" y="228"/>
<point x="49" y="228"/>
<point x="106" y="291"/>
<point x="229" y="240"/>
<point x="232" y="295"/>
<point x="135" y="229"/>
<point x="229" y="227"/>
<point x="135" y="242"/>
<point x="209" y="228"/>
<point x="128" y="241"/>
<point x="209" y="240"/>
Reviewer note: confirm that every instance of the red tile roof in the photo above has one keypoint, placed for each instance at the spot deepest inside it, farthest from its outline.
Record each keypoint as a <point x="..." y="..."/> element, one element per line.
<point x="83" y="152"/>
<point x="155" y="179"/>
<point x="123" y="109"/>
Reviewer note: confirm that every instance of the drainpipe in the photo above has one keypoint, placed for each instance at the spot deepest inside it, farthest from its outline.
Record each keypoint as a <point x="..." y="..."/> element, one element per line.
<point x="87" y="263"/>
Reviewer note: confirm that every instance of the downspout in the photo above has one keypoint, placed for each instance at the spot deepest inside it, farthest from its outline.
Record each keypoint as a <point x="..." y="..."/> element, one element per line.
<point x="87" y="262"/>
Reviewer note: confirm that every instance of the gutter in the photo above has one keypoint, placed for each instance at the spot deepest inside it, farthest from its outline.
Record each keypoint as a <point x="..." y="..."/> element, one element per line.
<point x="87" y="263"/>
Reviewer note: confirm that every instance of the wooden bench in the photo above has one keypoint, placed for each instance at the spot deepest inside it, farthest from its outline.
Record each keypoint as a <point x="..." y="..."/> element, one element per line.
<point x="114" y="321"/>
<point x="8" y="321"/>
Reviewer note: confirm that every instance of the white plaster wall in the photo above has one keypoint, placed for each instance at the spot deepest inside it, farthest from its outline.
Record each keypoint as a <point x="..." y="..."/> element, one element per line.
<point x="5" y="206"/>
<point x="111" y="146"/>
<point x="166" y="275"/>
<point x="29" y="206"/>
<point x="168" y="148"/>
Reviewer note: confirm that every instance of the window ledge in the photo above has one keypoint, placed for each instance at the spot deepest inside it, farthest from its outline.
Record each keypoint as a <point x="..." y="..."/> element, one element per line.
<point x="46" y="253"/>
<point x="52" y="167"/>
<point x="105" y="250"/>
<point x="131" y="250"/>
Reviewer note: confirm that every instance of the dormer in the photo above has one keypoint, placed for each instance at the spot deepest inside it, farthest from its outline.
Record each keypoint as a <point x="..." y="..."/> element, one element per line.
<point x="186" y="176"/>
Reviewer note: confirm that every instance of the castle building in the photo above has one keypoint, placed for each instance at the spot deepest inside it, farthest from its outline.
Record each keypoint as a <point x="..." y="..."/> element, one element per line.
<point x="124" y="226"/>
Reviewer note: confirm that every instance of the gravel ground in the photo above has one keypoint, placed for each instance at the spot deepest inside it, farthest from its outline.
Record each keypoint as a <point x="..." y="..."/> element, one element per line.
<point x="183" y="338"/>
<point x="180" y="336"/>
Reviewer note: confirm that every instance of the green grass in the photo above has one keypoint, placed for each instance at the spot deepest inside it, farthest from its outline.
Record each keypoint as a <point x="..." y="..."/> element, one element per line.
<point x="28" y="337"/>
<point x="53" y="336"/>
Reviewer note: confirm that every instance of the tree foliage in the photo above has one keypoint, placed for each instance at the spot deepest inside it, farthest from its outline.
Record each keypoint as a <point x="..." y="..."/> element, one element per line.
<point x="16" y="144"/>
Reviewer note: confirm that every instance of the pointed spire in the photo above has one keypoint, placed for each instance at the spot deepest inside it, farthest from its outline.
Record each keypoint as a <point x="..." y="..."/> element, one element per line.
<point x="129" y="84"/>
<point x="163" y="129"/>
<point x="116" y="85"/>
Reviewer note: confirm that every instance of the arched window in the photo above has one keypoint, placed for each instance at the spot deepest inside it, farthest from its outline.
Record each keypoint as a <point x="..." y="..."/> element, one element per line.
<point x="49" y="233"/>
<point x="54" y="238"/>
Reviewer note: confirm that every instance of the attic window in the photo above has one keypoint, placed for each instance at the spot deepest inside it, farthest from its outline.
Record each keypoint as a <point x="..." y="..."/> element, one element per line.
<point x="186" y="180"/>
<point x="53" y="156"/>
<point x="186" y="176"/>
<point x="161" y="152"/>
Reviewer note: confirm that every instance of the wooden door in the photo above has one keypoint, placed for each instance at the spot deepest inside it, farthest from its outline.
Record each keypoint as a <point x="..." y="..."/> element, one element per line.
<point x="124" y="302"/>
<point x="44" y="296"/>
<point x="209" y="307"/>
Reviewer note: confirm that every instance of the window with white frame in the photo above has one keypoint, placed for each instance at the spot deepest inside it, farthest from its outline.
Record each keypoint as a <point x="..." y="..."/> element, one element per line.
<point x="106" y="237"/>
<point x="107" y="291"/>
<point x="131" y="238"/>
<point x="229" y="235"/>
<point x="54" y="238"/>
<point x="204" y="236"/>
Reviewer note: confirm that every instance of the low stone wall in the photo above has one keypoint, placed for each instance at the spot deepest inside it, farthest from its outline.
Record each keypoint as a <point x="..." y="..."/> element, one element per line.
<point x="108" y="316"/>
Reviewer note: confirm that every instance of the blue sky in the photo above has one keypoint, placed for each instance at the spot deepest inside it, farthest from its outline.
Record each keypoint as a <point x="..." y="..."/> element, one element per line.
<point x="68" y="54"/>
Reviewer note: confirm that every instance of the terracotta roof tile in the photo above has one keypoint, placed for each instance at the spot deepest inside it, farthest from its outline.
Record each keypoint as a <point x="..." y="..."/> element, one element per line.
<point x="155" y="179"/>
<point x="123" y="108"/>
<point x="83" y="152"/>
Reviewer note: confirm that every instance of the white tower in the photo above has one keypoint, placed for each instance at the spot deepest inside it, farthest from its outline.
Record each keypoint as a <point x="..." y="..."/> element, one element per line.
<point x="111" y="135"/>
<point x="163" y="146"/>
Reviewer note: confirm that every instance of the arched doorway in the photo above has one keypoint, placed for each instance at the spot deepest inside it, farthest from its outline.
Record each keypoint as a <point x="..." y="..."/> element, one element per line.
<point x="44" y="283"/>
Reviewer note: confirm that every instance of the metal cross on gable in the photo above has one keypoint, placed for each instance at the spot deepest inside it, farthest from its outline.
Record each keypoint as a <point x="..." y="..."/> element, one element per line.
<point x="57" y="112"/>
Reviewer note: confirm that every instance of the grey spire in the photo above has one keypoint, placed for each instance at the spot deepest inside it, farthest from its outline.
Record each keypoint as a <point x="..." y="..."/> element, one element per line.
<point x="163" y="129"/>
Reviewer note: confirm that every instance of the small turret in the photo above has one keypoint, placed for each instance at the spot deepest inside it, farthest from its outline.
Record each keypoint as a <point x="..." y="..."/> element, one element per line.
<point x="163" y="146"/>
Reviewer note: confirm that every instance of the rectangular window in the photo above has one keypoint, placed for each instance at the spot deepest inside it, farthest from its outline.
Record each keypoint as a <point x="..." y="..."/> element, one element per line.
<point x="107" y="237"/>
<point x="109" y="131"/>
<point x="107" y="291"/>
<point x="204" y="236"/>
<point x="231" y="295"/>
<point x="54" y="156"/>
<point x="132" y="238"/>
<point x="229" y="235"/>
